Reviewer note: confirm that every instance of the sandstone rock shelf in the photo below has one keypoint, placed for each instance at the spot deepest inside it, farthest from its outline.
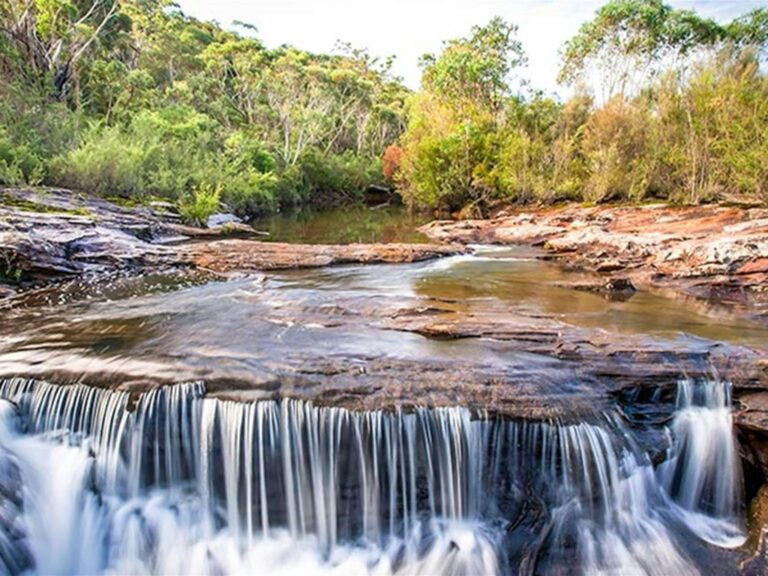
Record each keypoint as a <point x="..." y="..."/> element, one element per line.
<point x="711" y="252"/>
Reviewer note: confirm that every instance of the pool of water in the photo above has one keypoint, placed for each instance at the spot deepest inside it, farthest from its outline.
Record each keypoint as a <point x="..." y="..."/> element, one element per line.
<point x="290" y="318"/>
<point x="348" y="225"/>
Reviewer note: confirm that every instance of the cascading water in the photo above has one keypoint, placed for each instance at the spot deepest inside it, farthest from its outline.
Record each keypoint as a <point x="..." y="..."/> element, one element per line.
<point x="170" y="481"/>
<point x="702" y="472"/>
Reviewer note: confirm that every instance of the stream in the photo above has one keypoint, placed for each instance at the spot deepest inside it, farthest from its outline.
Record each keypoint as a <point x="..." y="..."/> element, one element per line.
<point x="319" y="421"/>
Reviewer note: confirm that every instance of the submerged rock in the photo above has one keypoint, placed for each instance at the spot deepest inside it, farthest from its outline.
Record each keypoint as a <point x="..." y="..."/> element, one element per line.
<point x="220" y="219"/>
<point x="613" y="288"/>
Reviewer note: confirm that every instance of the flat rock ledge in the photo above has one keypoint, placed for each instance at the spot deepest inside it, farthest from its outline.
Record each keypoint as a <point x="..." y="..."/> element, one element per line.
<point x="711" y="252"/>
<point x="56" y="234"/>
<point x="227" y="256"/>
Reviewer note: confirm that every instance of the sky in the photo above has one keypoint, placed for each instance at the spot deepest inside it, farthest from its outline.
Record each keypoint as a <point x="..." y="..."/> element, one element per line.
<point x="408" y="29"/>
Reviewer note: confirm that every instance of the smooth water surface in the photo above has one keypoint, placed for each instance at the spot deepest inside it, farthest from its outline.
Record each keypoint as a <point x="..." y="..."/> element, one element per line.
<point x="347" y="225"/>
<point x="349" y="311"/>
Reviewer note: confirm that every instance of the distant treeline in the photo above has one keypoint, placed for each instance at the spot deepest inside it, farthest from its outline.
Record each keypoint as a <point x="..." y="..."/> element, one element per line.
<point x="133" y="98"/>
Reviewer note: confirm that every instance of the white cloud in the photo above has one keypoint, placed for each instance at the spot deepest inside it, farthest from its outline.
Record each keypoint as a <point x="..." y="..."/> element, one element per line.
<point x="410" y="28"/>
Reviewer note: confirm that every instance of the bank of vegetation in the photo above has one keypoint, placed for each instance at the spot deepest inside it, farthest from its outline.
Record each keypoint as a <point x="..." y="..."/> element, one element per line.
<point x="133" y="98"/>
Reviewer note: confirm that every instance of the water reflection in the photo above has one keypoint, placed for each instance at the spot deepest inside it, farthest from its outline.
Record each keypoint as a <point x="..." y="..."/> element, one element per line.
<point x="348" y="225"/>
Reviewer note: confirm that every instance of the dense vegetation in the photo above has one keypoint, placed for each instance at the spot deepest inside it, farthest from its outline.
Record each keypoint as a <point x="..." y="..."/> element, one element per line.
<point x="678" y="109"/>
<point x="133" y="98"/>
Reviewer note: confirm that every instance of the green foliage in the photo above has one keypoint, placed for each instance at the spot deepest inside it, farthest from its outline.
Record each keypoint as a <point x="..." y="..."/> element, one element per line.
<point x="628" y="40"/>
<point x="616" y="149"/>
<point x="695" y="133"/>
<point x="19" y="163"/>
<point x="31" y="132"/>
<point x="476" y="69"/>
<point x="167" y="154"/>
<point x="712" y="134"/>
<point x="135" y="99"/>
<point x="197" y="206"/>
<point x="453" y="136"/>
<point x="106" y="163"/>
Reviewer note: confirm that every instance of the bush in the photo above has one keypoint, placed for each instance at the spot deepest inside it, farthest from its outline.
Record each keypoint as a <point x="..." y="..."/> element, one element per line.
<point x="107" y="163"/>
<point x="32" y="130"/>
<point x="19" y="164"/>
<point x="245" y="173"/>
<point x="196" y="207"/>
<point x="166" y="154"/>
<point x="712" y="134"/>
<point x="335" y="178"/>
<point x="250" y="192"/>
<point x="617" y="153"/>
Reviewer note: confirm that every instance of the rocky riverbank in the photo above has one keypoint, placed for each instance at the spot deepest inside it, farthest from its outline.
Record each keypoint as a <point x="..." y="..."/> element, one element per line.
<point x="713" y="253"/>
<point x="710" y="252"/>
<point x="508" y="360"/>
<point x="58" y="235"/>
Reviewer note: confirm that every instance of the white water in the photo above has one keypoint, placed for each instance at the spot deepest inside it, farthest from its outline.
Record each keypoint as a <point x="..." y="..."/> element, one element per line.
<point x="702" y="473"/>
<point x="172" y="482"/>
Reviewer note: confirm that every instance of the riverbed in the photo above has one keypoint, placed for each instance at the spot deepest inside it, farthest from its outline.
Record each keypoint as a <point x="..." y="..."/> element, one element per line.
<point x="480" y="413"/>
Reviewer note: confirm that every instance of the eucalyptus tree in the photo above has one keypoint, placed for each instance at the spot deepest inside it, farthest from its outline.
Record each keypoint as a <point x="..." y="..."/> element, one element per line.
<point x="750" y="32"/>
<point x="52" y="37"/>
<point x="448" y="144"/>
<point x="476" y="71"/>
<point x="630" y="41"/>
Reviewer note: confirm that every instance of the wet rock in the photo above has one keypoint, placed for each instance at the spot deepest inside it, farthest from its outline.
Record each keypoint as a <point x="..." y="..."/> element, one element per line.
<point x="607" y="286"/>
<point x="166" y="211"/>
<point x="15" y="555"/>
<point x="757" y="543"/>
<point x="757" y="564"/>
<point x="752" y="419"/>
<point x="228" y="230"/>
<point x="56" y="234"/>
<point x="620" y="285"/>
<point x="614" y="289"/>
<point x="221" y="219"/>
<point x="609" y="266"/>
<point x="228" y="256"/>
<point x="708" y="252"/>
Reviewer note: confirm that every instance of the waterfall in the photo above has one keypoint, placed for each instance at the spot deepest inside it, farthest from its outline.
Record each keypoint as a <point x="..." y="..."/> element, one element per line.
<point x="702" y="473"/>
<point x="172" y="481"/>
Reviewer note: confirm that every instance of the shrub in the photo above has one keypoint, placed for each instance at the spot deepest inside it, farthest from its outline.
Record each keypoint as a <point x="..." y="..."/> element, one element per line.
<point x="250" y="192"/>
<point x="106" y="163"/>
<point x="391" y="161"/>
<point x="196" y="207"/>
<point x="327" y="180"/>
<point x="616" y="150"/>
<point x="19" y="164"/>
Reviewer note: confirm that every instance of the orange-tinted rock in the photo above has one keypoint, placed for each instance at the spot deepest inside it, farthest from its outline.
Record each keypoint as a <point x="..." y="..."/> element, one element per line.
<point x="706" y="251"/>
<point x="58" y="235"/>
<point x="242" y="255"/>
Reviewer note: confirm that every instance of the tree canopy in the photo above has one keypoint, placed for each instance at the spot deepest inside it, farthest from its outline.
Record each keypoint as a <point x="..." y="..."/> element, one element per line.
<point x="630" y="41"/>
<point x="134" y="98"/>
<point x="184" y="104"/>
